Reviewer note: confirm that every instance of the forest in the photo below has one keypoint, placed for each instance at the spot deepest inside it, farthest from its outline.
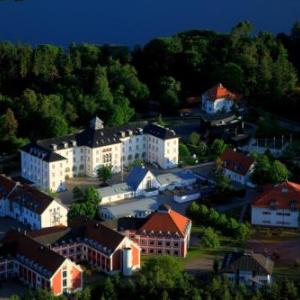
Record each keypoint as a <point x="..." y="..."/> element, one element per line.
<point x="48" y="91"/>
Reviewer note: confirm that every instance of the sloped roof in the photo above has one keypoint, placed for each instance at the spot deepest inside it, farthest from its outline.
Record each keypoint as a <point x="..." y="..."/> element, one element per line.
<point x="136" y="176"/>
<point x="219" y="91"/>
<point x="236" y="161"/>
<point x="6" y="185"/>
<point x="166" y="220"/>
<point x="17" y="245"/>
<point x="94" y="136"/>
<point x="160" y="131"/>
<point x="41" y="152"/>
<point x="283" y="196"/>
<point x="83" y="228"/>
<point x="244" y="261"/>
<point x="25" y="195"/>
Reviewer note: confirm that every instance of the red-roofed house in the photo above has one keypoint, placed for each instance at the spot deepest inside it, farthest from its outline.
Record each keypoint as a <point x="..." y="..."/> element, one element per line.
<point x="278" y="205"/>
<point x="218" y="99"/>
<point x="37" y="266"/>
<point x="237" y="166"/>
<point x="163" y="232"/>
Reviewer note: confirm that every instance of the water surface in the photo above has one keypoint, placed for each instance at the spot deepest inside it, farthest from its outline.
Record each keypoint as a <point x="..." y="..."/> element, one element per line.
<point x="135" y="21"/>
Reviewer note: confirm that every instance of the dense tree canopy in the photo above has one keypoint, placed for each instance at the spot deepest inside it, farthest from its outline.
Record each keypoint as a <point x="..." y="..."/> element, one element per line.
<point x="63" y="88"/>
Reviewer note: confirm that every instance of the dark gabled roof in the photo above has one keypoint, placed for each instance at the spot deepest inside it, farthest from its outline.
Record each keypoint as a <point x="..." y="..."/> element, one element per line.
<point x="98" y="232"/>
<point x="24" y="195"/>
<point x="6" y="185"/>
<point x="130" y="223"/>
<point x="244" y="261"/>
<point x="160" y="132"/>
<point x="30" y="252"/>
<point x="94" y="136"/>
<point x="49" y="235"/>
<point x="41" y="152"/>
<point x="31" y="198"/>
<point x="81" y="228"/>
<point x="136" y="176"/>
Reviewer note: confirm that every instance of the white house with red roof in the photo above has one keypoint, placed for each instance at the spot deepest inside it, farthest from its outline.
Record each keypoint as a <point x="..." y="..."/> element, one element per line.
<point x="278" y="205"/>
<point x="165" y="231"/>
<point x="238" y="166"/>
<point x="218" y="99"/>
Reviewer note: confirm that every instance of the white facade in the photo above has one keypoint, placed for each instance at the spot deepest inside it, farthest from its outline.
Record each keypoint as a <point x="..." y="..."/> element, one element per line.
<point x="239" y="178"/>
<point x="274" y="217"/>
<point x="217" y="105"/>
<point x="74" y="160"/>
<point x="247" y="278"/>
<point x="55" y="214"/>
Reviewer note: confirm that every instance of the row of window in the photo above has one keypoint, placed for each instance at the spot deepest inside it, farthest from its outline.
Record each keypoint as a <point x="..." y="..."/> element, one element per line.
<point x="160" y="251"/>
<point x="145" y="242"/>
<point x="278" y="213"/>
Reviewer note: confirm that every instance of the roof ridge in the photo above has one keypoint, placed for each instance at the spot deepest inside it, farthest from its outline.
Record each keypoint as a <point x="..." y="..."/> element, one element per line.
<point x="179" y="215"/>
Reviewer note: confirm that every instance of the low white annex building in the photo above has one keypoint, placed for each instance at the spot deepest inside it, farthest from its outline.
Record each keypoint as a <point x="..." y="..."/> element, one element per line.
<point x="138" y="208"/>
<point x="30" y="206"/>
<point x="278" y="205"/>
<point x="238" y="166"/>
<point x="218" y="99"/>
<point x="140" y="182"/>
<point x="249" y="268"/>
<point x="48" y="163"/>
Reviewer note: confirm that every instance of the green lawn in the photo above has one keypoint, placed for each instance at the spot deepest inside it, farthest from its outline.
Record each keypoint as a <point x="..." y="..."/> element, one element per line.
<point x="274" y="235"/>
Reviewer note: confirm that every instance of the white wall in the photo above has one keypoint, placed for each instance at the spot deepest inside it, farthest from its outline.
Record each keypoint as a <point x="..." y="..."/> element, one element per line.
<point x="277" y="217"/>
<point x="85" y="160"/>
<point x="218" y="105"/>
<point x="55" y="214"/>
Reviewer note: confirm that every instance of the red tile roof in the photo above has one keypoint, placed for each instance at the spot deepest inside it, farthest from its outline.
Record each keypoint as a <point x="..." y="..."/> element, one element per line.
<point x="283" y="196"/>
<point x="166" y="220"/>
<point x="219" y="91"/>
<point x="236" y="161"/>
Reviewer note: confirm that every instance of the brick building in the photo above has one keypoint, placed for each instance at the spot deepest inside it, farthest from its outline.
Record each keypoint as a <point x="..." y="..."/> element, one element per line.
<point x="37" y="266"/>
<point x="163" y="232"/>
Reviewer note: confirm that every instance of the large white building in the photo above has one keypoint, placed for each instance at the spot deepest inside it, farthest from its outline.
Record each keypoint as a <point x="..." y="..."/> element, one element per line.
<point x="278" y="205"/>
<point x="48" y="163"/>
<point x="218" y="99"/>
<point x="30" y="206"/>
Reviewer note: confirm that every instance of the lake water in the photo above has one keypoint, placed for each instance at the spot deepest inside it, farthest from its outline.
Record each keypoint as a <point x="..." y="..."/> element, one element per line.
<point x="135" y="21"/>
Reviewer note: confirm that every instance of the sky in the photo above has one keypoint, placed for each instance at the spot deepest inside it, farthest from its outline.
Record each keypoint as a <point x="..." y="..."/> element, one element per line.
<point x="131" y="22"/>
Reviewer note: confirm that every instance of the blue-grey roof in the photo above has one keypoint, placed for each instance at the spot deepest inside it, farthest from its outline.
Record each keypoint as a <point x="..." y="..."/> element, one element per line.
<point x="136" y="176"/>
<point x="186" y="175"/>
